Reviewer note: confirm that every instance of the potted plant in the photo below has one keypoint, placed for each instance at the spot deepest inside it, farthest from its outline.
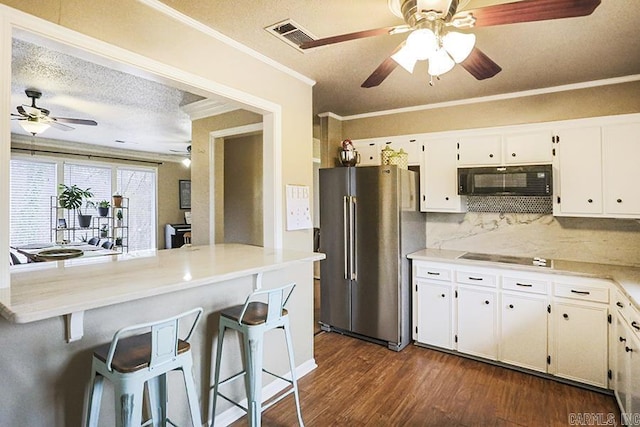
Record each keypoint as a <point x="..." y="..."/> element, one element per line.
<point x="119" y="218"/>
<point x="103" y="207"/>
<point x="71" y="198"/>
<point x="118" y="241"/>
<point x="117" y="200"/>
<point x="104" y="231"/>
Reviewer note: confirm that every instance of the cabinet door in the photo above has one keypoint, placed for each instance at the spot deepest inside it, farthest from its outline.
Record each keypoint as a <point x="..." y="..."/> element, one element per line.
<point x="369" y="153"/>
<point x="633" y="352"/>
<point x="533" y="147"/>
<point x="480" y="151"/>
<point x="523" y="328"/>
<point x="621" y="367"/>
<point x="580" y="343"/>
<point x="477" y="315"/>
<point x="434" y="319"/>
<point x="579" y="164"/>
<point x="621" y="151"/>
<point x="440" y="183"/>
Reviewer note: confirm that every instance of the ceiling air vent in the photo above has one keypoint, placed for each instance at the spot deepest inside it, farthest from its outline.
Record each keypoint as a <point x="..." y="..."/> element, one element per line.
<point x="291" y="33"/>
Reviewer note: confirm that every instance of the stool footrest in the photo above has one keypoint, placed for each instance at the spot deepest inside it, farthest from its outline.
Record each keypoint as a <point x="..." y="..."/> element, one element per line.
<point x="228" y="399"/>
<point x="231" y="378"/>
<point x="278" y="399"/>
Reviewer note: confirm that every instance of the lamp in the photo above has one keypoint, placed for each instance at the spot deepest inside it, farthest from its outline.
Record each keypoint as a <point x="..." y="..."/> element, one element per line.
<point x="442" y="51"/>
<point x="186" y="162"/>
<point x="33" y="126"/>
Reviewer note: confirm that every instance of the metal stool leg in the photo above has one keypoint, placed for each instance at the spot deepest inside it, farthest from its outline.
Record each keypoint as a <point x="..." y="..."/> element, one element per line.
<point x="253" y="352"/>
<point x="192" y="394"/>
<point x="157" y="388"/>
<point x="95" y="397"/>
<point x="213" y="395"/>
<point x="129" y="403"/>
<point x="292" y="367"/>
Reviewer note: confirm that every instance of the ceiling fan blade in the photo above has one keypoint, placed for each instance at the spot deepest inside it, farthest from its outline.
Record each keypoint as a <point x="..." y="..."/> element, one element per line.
<point x="75" y="121"/>
<point x="383" y="70"/>
<point x="354" y="36"/>
<point x="29" y="111"/>
<point x="480" y="65"/>
<point x="59" y="126"/>
<point x="532" y="10"/>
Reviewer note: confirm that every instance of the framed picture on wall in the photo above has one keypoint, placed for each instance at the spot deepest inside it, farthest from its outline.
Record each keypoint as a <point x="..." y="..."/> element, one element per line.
<point x="185" y="194"/>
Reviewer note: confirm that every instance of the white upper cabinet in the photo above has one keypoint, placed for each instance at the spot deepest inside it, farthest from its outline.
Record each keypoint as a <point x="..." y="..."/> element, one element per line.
<point x="368" y="151"/>
<point x="596" y="171"/>
<point x="621" y="172"/>
<point x="480" y="150"/>
<point x="531" y="147"/>
<point x="408" y="144"/>
<point x="439" y="180"/>
<point x="578" y="183"/>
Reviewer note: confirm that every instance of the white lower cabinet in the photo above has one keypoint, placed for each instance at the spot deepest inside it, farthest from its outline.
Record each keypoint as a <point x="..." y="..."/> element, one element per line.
<point x="626" y="370"/>
<point x="435" y="316"/>
<point x="523" y="331"/>
<point x="548" y="323"/>
<point x="477" y="321"/>
<point x="579" y="342"/>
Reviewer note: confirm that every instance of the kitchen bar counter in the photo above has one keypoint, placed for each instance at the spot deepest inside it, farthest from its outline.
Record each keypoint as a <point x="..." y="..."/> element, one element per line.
<point x="46" y="290"/>
<point x="627" y="277"/>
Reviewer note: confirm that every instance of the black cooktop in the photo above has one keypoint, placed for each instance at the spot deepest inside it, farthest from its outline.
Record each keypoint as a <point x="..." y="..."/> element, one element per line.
<point x="535" y="261"/>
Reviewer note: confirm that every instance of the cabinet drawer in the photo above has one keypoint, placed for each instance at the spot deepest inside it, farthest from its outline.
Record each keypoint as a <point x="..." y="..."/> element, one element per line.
<point x="477" y="278"/>
<point x="525" y="285"/>
<point x="581" y="292"/>
<point x="433" y="272"/>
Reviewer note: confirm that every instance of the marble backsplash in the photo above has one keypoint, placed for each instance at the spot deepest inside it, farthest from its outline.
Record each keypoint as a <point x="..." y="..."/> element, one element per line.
<point x="610" y="241"/>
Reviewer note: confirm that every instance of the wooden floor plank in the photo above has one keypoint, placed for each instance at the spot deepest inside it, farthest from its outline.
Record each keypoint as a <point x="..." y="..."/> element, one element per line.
<point x="363" y="384"/>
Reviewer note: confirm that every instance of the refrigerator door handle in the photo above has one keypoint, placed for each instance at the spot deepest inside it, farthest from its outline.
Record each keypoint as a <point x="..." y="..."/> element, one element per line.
<point x="345" y="225"/>
<point x="353" y="258"/>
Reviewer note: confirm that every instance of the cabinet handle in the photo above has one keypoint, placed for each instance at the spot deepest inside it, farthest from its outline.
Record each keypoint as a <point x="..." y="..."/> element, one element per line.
<point x="510" y="305"/>
<point x="486" y="301"/>
<point x="619" y="200"/>
<point x="635" y="325"/>
<point x="491" y="155"/>
<point x="627" y="349"/>
<point x="619" y="304"/>
<point x="475" y="278"/>
<point x="526" y="285"/>
<point x="622" y="339"/>
<point x="513" y="154"/>
<point x="446" y="198"/>
<point x="590" y="200"/>
<point x="433" y="273"/>
<point x="442" y="295"/>
<point x="566" y="316"/>
<point x="573" y="291"/>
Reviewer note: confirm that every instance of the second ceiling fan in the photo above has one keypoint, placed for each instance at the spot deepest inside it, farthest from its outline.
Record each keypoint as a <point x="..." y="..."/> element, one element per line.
<point x="433" y="26"/>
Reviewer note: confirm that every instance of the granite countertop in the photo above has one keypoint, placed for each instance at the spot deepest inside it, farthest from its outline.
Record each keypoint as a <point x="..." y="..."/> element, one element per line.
<point x="626" y="277"/>
<point x="49" y="289"/>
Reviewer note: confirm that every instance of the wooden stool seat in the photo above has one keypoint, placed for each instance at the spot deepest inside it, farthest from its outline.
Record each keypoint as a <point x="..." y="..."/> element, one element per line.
<point x="255" y="314"/>
<point x="133" y="353"/>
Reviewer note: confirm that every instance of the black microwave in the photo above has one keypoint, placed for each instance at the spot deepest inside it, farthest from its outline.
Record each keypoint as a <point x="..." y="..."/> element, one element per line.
<point x="533" y="180"/>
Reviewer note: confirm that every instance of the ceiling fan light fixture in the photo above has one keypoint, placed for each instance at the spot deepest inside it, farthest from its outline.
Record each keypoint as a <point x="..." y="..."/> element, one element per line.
<point x="406" y="58"/>
<point x="458" y="45"/>
<point x="33" y="126"/>
<point x="423" y="43"/>
<point x="186" y="162"/>
<point x="440" y="63"/>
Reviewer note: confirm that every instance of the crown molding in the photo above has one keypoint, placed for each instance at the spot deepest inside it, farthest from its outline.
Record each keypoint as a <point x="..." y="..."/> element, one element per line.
<point x="207" y="108"/>
<point x="501" y="97"/>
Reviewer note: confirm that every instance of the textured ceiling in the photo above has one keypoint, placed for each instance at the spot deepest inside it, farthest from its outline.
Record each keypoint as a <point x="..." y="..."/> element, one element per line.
<point x="532" y="55"/>
<point x="144" y="115"/>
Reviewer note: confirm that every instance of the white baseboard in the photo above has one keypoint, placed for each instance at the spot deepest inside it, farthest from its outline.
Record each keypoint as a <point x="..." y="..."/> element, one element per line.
<point x="233" y="414"/>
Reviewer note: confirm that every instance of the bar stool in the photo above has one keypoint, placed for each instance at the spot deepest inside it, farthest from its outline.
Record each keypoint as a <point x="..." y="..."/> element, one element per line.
<point x="131" y="362"/>
<point x="252" y="320"/>
<point x="187" y="238"/>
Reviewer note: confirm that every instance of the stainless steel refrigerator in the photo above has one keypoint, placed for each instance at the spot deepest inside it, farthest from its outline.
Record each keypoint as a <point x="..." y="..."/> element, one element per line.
<point x="369" y="222"/>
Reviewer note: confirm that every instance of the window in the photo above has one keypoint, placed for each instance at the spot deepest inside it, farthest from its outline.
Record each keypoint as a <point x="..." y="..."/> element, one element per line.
<point x="35" y="181"/>
<point x="32" y="185"/>
<point x="139" y="186"/>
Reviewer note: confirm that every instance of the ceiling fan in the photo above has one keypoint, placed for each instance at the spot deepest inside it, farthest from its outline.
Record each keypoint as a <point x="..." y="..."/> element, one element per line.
<point x="36" y="119"/>
<point x="187" y="160"/>
<point x="431" y="24"/>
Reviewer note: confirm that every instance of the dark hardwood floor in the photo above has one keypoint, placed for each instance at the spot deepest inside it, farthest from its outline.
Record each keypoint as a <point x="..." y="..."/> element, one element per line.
<point x="363" y="384"/>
